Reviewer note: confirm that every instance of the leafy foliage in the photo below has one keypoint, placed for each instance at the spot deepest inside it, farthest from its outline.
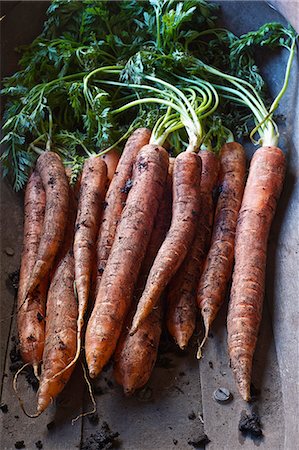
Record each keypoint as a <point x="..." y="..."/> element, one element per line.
<point x="49" y="103"/>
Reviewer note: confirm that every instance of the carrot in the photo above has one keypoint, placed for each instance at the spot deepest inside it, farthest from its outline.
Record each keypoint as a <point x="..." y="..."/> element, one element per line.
<point x="61" y="320"/>
<point x="128" y="250"/>
<point x="219" y="263"/>
<point x="185" y="212"/>
<point x="111" y="159"/>
<point x="61" y="325"/>
<point x="115" y="200"/>
<point x="91" y="196"/>
<point x="54" y="180"/>
<point x="181" y="296"/>
<point x="261" y="195"/>
<point x="31" y="311"/>
<point x="135" y="356"/>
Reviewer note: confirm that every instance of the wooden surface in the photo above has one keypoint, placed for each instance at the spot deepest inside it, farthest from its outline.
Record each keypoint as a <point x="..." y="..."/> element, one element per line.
<point x="159" y="416"/>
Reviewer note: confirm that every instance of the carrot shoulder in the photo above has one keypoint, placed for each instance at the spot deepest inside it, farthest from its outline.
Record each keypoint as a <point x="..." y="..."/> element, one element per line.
<point x="111" y="159"/>
<point x="261" y="195"/>
<point x="219" y="263"/>
<point x="115" y="201"/>
<point x="31" y="311"/>
<point x="55" y="183"/>
<point x="181" y="296"/>
<point x="128" y="250"/>
<point x="185" y="212"/>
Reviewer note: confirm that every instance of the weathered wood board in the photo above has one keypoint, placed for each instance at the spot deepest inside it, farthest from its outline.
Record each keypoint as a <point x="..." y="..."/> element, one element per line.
<point x="161" y="416"/>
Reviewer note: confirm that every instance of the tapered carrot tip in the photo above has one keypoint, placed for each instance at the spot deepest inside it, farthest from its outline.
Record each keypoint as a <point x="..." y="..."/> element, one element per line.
<point x="93" y="373"/>
<point x="243" y="380"/>
<point x="43" y="402"/>
<point x="128" y="391"/>
<point x="182" y="341"/>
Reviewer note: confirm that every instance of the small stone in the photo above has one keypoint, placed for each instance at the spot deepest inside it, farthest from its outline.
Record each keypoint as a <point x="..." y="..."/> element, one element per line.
<point x="20" y="444"/>
<point x="4" y="408"/>
<point x="222" y="395"/>
<point x="9" y="251"/>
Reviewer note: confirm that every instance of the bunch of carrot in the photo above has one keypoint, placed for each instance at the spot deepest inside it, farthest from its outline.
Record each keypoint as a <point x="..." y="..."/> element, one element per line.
<point x="140" y="237"/>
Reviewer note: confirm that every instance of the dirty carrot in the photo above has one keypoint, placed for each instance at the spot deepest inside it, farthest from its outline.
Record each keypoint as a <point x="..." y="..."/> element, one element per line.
<point x="115" y="200"/>
<point x="181" y="296"/>
<point x="262" y="191"/>
<point x="91" y="197"/>
<point x="185" y="213"/>
<point x="31" y="311"/>
<point x="257" y="211"/>
<point x="128" y="250"/>
<point x="111" y="159"/>
<point x="219" y="263"/>
<point x="61" y="320"/>
<point x="135" y="356"/>
<point x="54" y="180"/>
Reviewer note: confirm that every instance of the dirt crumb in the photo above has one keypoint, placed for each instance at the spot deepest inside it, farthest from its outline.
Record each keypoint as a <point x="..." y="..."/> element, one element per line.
<point x="15" y="356"/>
<point x="127" y="187"/>
<point x="192" y="416"/>
<point x="20" y="444"/>
<point x="31" y="379"/>
<point x="13" y="279"/>
<point x="93" y="418"/>
<point x="250" y="425"/>
<point x="39" y="444"/>
<point x="51" y="425"/>
<point x="200" y="441"/>
<point x="4" y="408"/>
<point x="102" y="439"/>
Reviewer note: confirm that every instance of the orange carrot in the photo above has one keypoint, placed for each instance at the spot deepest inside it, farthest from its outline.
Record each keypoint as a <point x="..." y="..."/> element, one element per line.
<point x="91" y="197"/>
<point x="185" y="212"/>
<point x="128" y="250"/>
<point x="31" y="311"/>
<point x="219" y="263"/>
<point x="261" y="195"/>
<point x="135" y="356"/>
<point x="181" y="296"/>
<point x="54" y="180"/>
<point x="115" y="200"/>
<point x="61" y="320"/>
<point x="111" y="159"/>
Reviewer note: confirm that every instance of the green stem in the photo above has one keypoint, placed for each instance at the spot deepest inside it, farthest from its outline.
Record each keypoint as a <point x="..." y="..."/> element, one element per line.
<point x="286" y="79"/>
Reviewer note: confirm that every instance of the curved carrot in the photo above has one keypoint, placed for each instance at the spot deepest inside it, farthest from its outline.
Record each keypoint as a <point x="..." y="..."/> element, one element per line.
<point x="61" y="320"/>
<point x="128" y="250"/>
<point x="219" y="263"/>
<point x="54" y="180"/>
<point x="135" y="356"/>
<point x="185" y="213"/>
<point x="115" y="200"/>
<point x="61" y="326"/>
<point x="181" y="296"/>
<point x="31" y="311"/>
<point x="262" y="191"/>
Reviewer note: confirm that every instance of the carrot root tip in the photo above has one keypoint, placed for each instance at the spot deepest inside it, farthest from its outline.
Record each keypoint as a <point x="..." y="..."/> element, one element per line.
<point x="15" y="388"/>
<point x="94" y="409"/>
<point x="199" y="351"/>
